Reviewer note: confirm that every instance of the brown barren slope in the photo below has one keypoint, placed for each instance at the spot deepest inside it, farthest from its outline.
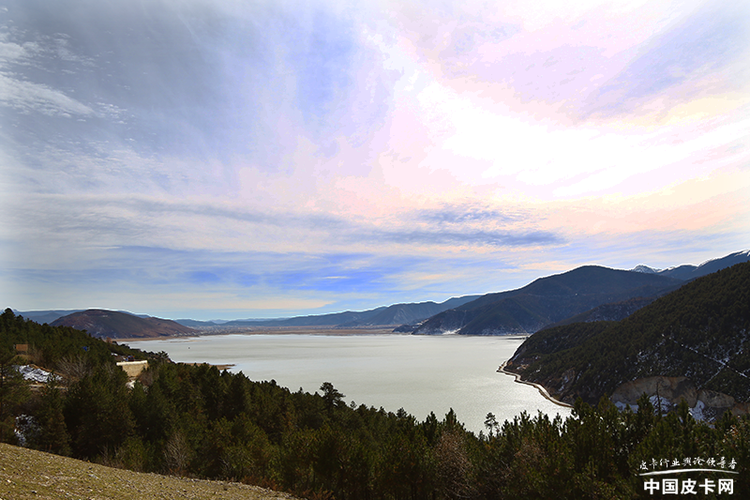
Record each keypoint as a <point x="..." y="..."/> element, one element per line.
<point x="27" y="474"/>
<point x="118" y="325"/>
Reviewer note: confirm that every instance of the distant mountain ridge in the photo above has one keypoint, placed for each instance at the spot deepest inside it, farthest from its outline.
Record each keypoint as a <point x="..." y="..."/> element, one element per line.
<point x="547" y="301"/>
<point x="553" y="299"/>
<point x="620" y="310"/>
<point x="693" y="343"/>
<point x="48" y="317"/>
<point x="117" y="325"/>
<point x="645" y="269"/>
<point x="396" y="314"/>
<point x="688" y="272"/>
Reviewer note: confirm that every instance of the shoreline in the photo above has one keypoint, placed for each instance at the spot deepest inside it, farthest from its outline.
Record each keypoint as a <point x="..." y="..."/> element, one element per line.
<point x="220" y="367"/>
<point x="327" y="331"/>
<point x="270" y="330"/>
<point x="538" y="387"/>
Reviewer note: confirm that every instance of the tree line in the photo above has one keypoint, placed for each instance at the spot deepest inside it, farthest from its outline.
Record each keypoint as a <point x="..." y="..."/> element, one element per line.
<point x="201" y="422"/>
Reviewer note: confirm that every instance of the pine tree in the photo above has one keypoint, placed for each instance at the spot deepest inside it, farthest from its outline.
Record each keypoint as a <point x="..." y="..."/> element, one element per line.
<point x="13" y="391"/>
<point x="53" y="435"/>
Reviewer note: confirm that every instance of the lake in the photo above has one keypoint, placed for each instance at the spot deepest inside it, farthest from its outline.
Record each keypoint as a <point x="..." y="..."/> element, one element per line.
<point x="418" y="373"/>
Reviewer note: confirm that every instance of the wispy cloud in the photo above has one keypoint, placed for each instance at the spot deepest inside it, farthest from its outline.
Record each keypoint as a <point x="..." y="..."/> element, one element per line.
<point x="468" y="238"/>
<point x="29" y="96"/>
<point x="332" y="155"/>
<point x="469" y="213"/>
<point x="710" y="40"/>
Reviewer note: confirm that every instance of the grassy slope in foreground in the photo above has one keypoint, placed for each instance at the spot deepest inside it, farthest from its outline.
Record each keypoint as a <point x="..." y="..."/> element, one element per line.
<point x="33" y="474"/>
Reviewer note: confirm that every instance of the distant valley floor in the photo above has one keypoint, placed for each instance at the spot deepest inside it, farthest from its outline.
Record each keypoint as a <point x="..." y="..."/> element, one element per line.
<point x="275" y="330"/>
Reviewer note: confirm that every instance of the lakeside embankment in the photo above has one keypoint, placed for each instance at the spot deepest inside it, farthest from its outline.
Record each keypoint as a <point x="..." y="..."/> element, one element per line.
<point x="540" y="388"/>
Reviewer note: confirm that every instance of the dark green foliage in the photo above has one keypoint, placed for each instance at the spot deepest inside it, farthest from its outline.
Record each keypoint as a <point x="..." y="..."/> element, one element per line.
<point x="13" y="391"/>
<point x="97" y="413"/>
<point x="197" y="421"/>
<point x="701" y="331"/>
<point x="547" y="300"/>
<point x="49" y="345"/>
<point x="599" y="452"/>
<point x="53" y="433"/>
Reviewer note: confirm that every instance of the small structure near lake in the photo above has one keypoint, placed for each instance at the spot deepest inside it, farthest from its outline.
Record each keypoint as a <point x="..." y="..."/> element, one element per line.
<point x="133" y="368"/>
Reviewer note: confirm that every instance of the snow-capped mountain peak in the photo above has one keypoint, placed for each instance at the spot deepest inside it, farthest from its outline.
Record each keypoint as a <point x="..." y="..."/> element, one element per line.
<point x="645" y="269"/>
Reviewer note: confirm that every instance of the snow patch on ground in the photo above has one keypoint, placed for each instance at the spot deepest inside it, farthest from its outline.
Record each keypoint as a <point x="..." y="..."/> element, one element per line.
<point x="697" y="412"/>
<point x="623" y="406"/>
<point x="34" y="374"/>
<point x="661" y="403"/>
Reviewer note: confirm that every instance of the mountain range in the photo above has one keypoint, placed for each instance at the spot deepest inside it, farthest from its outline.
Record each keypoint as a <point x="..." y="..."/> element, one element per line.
<point x="587" y="293"/>
<point x="545" y="301"/>
<point x="692" y="344"/>
<point x="600" y="292"/>
<point x="687" y="272"/>
<point x="396" y="314"/>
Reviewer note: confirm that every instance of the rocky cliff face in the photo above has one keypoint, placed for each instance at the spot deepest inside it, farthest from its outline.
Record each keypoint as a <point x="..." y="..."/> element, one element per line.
<point x="667" y="392"/>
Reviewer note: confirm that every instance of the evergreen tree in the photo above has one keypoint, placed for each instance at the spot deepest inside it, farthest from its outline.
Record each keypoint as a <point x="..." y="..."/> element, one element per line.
<point x="14" y="390"/>
<point x="97" y="414"/>
<point x="53" y="435"/>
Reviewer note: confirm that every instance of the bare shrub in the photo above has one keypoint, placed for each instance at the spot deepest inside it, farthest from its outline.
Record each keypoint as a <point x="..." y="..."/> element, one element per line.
<point x="177" y="454"/>
<point x="73" y="368"/>
<point x="454" y="468"/>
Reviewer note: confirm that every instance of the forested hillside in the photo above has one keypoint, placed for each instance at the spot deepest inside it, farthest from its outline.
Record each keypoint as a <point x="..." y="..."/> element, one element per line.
<point x="546" y="300"/>
<point x="700" y="331"/>
<point x="200" y="422"/>
<point x="53" y="346"/>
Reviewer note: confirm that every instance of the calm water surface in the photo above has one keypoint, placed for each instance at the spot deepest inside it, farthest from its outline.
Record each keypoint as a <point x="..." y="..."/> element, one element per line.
<point x="418" y="373"/>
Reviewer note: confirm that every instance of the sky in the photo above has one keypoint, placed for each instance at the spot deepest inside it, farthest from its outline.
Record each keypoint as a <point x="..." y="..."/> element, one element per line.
<point x="223" y="159"/>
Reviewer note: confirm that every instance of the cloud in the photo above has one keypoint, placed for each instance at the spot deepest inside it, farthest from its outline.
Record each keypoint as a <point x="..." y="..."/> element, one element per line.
<point x="709" y="41"/>
<point x="470" y="213"/>
<point x="101" y="221"/>
<point x="466" y="238"/>
<point x="338" y="155"/>
<point x="193" y="81"/>
<point x="161" y="73"/>
<point x="29" y="96"/>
